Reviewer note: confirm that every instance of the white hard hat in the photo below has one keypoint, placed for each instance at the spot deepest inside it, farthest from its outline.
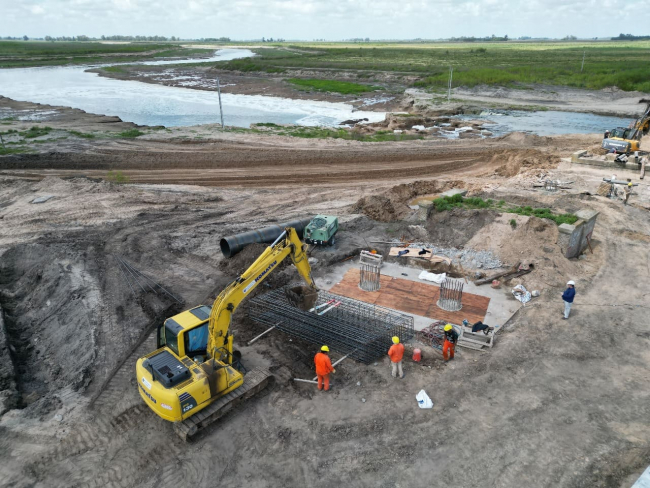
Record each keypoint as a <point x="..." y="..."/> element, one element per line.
<point x="571" y="283"/>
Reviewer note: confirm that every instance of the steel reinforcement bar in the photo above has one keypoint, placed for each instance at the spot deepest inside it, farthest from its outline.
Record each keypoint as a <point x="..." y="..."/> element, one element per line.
<point x="347" y="326"/>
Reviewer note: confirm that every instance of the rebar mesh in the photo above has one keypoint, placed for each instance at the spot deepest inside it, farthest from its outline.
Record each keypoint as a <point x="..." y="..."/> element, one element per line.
<point x="451" y="295"/>
<point x="369" y="277"/>
<point x="347" y="326"/>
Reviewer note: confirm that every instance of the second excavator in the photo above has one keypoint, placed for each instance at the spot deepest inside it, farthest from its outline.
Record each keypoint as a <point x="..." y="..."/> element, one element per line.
<point x="627" y="140"/>
<point x="192" y="378"/>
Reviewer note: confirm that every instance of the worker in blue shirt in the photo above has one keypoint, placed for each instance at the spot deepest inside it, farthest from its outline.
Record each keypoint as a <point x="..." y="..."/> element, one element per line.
<point x="568" y="296"/>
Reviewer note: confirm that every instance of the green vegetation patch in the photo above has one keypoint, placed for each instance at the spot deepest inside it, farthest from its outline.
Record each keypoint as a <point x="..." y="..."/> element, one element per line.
<point x="33" y="53"/>
<point x="330" y="133"/>
<point x="85" y="135"/>
<point x="4" y="151"/>
<point x="343" y="87"/>
<point x="457" y="201"/>
<point x="36" y="132"/>
<point x="117" y="177"/>
<point x="130" y="134"/>
<point x="623" y="63"/>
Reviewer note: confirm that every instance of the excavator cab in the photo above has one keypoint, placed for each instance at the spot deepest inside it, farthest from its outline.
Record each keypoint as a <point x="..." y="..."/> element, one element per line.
<point x="627" y="140"/>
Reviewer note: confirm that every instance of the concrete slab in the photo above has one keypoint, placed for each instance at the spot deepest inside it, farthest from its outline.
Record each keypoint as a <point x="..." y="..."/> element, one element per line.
<point x="502" y="304"/>
<point x="644" y="480"/>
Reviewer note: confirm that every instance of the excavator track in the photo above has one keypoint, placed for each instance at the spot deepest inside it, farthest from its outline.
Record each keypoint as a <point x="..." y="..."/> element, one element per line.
<point x="254" y="382"/>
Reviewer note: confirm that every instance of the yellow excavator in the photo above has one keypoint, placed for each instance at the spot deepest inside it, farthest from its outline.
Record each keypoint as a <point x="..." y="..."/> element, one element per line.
<point x="191" y="379"/>
<point x="627" y="140"/>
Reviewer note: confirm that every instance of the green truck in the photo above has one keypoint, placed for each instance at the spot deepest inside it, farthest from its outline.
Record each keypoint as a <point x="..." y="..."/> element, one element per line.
<point x="321" y="230"/>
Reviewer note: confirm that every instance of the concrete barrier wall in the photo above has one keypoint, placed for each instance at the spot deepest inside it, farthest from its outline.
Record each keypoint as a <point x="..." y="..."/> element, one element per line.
<point x="574" y="238"/>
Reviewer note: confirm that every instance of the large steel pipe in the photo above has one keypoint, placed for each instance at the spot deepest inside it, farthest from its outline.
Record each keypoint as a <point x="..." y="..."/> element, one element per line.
<point x="231" y="245"/>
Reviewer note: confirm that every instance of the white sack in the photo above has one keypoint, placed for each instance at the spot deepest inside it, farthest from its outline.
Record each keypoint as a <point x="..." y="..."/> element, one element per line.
<point x="436" y="278"/>
<point x="423" y="400"/>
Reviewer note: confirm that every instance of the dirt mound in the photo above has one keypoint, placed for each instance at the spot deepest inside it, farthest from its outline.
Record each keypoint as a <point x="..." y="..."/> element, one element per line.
<point x="525" y="140"/>
<point x="514" y="161"/>
<point x="531" y="240"/>
<point x="456" y="227"/>
<point x="392" y="205"/>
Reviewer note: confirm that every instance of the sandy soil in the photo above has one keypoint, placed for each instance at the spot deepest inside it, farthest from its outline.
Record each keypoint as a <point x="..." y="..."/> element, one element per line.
<point x="554" y="403"/>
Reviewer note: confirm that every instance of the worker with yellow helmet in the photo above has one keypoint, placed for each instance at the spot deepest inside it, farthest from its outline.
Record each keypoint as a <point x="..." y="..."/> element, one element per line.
<point x="449" y="346"/>
<point x="323" y="368"/>
<point x="628" y="191"/>
<point x="396" y="353"/>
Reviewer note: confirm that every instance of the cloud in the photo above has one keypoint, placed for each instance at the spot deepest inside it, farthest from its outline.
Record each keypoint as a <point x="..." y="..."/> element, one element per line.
<point x="329" y="19"/>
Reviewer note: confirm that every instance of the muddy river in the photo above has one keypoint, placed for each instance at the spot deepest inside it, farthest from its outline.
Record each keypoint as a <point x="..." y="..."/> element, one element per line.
<point x="549" y="123"/>
<point x="150" y="104"/>
<point x="147" y="104"/>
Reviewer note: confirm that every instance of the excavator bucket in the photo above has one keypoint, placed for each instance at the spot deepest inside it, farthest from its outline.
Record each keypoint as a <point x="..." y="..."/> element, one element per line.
<point x="302" y="297"/>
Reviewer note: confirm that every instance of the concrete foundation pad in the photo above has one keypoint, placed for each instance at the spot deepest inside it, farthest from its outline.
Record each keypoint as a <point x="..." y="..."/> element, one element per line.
<point x="501" y="308"/>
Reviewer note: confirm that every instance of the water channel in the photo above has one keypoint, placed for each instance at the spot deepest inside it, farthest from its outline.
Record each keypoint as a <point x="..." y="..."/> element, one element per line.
<point x="150" y="104"/>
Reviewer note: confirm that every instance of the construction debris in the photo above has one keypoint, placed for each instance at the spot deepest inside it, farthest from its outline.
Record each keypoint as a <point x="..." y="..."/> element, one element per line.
<point x="516" y="271"/>
<point x="368" y="257"/>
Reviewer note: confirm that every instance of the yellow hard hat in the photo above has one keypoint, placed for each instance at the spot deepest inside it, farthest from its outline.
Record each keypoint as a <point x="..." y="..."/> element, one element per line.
<point x="630" y="184"/>
<point x="395" y="340"/>
<point x="448" y="327"/>
<point x="325" y="349"/>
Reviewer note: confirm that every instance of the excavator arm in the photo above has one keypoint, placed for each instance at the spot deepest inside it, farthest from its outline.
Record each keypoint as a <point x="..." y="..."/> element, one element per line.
<point x="287" y="244"/>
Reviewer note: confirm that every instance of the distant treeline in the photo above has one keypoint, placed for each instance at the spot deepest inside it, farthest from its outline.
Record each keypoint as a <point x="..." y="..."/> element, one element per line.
<point x="83" y="38"/>
<point x="492" y="38"/>
<point x="630" y="37"/>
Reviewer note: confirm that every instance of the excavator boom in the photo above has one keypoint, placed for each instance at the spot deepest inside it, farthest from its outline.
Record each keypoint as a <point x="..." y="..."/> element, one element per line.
<point x="190" y="378"/>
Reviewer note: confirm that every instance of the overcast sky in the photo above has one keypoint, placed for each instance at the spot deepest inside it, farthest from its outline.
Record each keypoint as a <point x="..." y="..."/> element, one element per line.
<point x="329" y="19"/>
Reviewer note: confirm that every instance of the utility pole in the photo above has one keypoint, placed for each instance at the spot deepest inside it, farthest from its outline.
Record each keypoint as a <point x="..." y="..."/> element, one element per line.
<point x="583" y="60"/>
<point x="220" y="107"/>
<point x="451" y="73"/>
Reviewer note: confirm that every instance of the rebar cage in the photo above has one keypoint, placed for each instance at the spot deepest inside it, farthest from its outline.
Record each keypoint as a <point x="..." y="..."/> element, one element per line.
<point x="451" y="295"/>
<point x="369" y="277"/>
<point x="346" y="325"/>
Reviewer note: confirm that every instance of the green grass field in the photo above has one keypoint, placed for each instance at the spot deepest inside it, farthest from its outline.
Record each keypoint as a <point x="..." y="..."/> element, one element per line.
<point x="622" y="64"/>
<point x="15" y="54"/>
<point x="344" y="87"/>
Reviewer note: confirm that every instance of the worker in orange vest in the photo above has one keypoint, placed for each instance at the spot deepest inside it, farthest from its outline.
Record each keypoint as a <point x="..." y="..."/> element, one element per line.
<point x="396" y="353"/>
<point x="323" y="367"/>
<point x="451" y="337"/>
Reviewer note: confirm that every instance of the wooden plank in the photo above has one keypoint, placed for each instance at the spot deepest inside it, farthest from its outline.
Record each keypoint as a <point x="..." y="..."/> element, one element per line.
<point x="498" y="275"/>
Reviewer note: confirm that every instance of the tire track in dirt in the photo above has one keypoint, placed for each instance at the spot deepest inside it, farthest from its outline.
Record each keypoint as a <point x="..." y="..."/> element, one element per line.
<point x="256" y="165"/>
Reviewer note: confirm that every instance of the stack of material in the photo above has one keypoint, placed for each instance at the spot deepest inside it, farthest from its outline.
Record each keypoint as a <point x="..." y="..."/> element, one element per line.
<point x="433" y="335"/>
<point x="347" y="326"/>
<point x="604" y="189"/>
<point x="366" y="257"/>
